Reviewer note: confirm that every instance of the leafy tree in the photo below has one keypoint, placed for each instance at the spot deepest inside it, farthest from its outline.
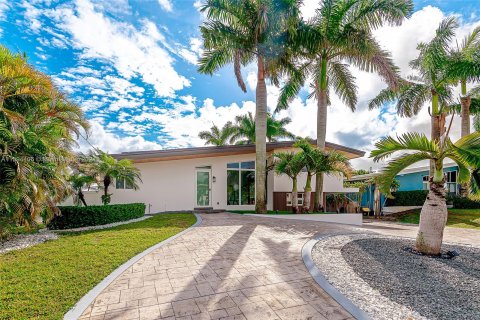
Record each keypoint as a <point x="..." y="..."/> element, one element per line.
<point x="417" y="147"/>
<point x="217" y="136"/>
<point x="107" y="168"/>
<point x="37" y="128"/>
<point x="80" y="181"/>
<point x="245" y="32"/>
<point x="338" y="36"/>
<point x="290" y="164"/>
<point x="243" y="132"/>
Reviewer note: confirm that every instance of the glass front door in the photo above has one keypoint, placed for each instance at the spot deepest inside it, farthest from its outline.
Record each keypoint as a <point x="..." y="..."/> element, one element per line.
<point x="203" y="188"/>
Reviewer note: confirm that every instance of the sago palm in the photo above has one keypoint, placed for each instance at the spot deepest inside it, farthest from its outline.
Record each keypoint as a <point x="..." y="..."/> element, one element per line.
<point x="243" y="32"/>
<point x="108" y="168"/>
<point x="339" y="36"/>
<point x="217" y="136"/>
<point x="290" y="164"/>
<point x="417" y="147"/>
<point x="243" y="132"/>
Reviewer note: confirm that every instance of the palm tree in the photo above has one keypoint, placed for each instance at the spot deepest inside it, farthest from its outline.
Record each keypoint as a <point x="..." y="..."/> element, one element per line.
<point x="338" y="36"/>
<point x="108" y="168"/>
<point x="417" y="147"/>
<point x="80" y="181"/>
<point x="217" y="136"/>
<point x="290" y="164"/>
<point x="318" y="162"/>
<point x="37" y="128"/>
<point x="251" y="31"/>
<point x="243" y="132"/>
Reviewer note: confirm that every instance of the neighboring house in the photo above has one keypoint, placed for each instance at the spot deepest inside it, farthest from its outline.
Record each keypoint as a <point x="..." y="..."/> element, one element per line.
<point x="417" y="178"/>
<point x="219" y="178"/>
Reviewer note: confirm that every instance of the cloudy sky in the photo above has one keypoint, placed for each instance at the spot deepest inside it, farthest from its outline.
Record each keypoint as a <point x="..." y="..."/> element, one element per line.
<point x="131" y="65"/>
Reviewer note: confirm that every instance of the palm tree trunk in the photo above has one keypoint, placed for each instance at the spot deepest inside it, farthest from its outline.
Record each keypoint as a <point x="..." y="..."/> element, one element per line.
<point x="307" y="195"/>
<point x="322" y="104"/>
<point x="294" y="196"/>
<point x="107" y="180"/>
<point x="81" y="196"/>
<point x="465" y="102"/>
<point x="433" y="219"/>
<point x="260" y="138"/>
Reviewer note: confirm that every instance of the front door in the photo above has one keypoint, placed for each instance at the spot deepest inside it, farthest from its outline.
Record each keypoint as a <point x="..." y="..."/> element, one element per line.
<point x="203" y="188"/>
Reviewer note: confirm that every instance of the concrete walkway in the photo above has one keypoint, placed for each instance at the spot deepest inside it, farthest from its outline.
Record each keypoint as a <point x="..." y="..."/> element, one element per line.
<point x="230" y="267"/>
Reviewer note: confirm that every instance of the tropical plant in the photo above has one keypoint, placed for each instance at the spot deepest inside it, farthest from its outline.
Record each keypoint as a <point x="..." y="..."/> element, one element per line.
<point x="417" y="147"/>
<point x="243" y="132"/>
<point x="108" y="168"/>
<point x="318" y="162"/>
<point x="290" y="164"/>
<point x="37" y="128"/>
<point x="245" y="32"/>
<point x="79" y="182"/>
<point x="340" y="35"/>
<point x="217" y="136"/>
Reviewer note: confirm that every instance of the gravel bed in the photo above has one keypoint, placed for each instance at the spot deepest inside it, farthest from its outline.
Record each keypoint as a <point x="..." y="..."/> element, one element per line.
<point x="387" y="282"/>
<point x="22" y="241"/>
<point x="103" y="226"/>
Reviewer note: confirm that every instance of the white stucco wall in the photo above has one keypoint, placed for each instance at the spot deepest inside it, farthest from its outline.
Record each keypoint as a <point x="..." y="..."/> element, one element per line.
<point x="170" y="185"/>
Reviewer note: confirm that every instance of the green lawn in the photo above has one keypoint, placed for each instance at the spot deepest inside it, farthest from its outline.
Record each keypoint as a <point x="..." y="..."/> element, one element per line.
<point x="45" y="281"/>
<point x="457" y="218"/>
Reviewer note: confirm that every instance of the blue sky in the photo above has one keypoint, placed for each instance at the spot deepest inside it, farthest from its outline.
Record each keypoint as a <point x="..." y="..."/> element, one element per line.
<point x="131" y="65"/>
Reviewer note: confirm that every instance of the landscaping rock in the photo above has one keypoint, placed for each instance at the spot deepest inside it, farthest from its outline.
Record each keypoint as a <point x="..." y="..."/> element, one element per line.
<point x="22" y="241"/>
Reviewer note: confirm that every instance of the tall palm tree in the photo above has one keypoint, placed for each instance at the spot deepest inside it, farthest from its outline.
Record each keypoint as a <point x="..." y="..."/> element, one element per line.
<point x="243" y="132"/>
<point x="318" y="162"/>
<point x="290" y="164"/>
<point x="217" y="136"/>
<point x="244" y="32"/>
<point x="37" y="129"/>
<point x="340" y="35"/>
<point x="464" y="67"/>
<point x="417" y="147"/>
<point x="108" y="168"/>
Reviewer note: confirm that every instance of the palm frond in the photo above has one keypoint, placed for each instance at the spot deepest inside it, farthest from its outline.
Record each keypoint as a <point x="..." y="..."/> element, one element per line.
<point x="407" y="142"/>
<point x="343" y="83"/>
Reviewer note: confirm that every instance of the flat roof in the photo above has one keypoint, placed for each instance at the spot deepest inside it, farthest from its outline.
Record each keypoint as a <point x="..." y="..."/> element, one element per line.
<point x="214" y="151"/>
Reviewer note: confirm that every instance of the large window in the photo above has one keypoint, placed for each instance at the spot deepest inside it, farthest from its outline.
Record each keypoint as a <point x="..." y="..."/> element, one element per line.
<point x="241" y="183"/>
<point x="123" y="184"/>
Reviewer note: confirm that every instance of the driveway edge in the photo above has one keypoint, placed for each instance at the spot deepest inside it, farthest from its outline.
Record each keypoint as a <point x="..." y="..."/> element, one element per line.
<point x="76" y="311"/>
<point x="319" y="278"/>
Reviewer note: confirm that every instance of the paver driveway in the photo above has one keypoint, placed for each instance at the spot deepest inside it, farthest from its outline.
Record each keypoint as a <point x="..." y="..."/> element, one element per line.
<point x="229" y="267"/>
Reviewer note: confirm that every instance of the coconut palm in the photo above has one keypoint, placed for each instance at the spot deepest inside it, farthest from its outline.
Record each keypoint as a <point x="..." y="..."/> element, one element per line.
<point x="417" y="147"/>
<point x="217" y="136"/>
<point x="108" y="168"/>
<point x="340" y="35"/>
<point x="318" y="162"/>
<point x="243" y="132"/>
<point x="244" y="32"/>
<point x="37" y="129"/>
<point x="290" y="164"/>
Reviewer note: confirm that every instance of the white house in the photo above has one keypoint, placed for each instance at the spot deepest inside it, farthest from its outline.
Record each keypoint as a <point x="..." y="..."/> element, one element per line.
<point x="210" y="178"/>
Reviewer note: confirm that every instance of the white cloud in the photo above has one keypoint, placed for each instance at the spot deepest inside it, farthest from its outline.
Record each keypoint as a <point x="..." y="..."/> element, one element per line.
<point x="166" y="5"/>
<point x="131" y="51"/>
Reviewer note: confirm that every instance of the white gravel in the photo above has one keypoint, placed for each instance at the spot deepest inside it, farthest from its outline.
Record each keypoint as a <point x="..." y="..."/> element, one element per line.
<point x="327" y="255"/>
<point x="22" y="241"/>
<point x="103" y="226"/>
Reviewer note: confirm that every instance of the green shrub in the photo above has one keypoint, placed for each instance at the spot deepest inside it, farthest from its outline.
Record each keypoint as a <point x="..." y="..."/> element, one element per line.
<point x="408" y="198"/>
<point x="465" y="203"/>
<point x="76" y="217"/>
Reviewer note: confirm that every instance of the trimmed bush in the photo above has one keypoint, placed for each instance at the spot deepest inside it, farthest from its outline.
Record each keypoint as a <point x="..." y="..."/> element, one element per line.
<point x="76" y="217"/>
<point x="408" y="198"/>
<point x="465" y="203"/>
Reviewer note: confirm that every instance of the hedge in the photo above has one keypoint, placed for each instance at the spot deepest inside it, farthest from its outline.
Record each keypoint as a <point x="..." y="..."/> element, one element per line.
<point x="408" y="198"/>
<point x="76" y="217"/>
<point x="465" y="203"/>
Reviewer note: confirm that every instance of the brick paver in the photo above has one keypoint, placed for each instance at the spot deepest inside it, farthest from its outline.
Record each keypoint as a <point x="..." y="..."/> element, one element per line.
<point x="230" y="267"/>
